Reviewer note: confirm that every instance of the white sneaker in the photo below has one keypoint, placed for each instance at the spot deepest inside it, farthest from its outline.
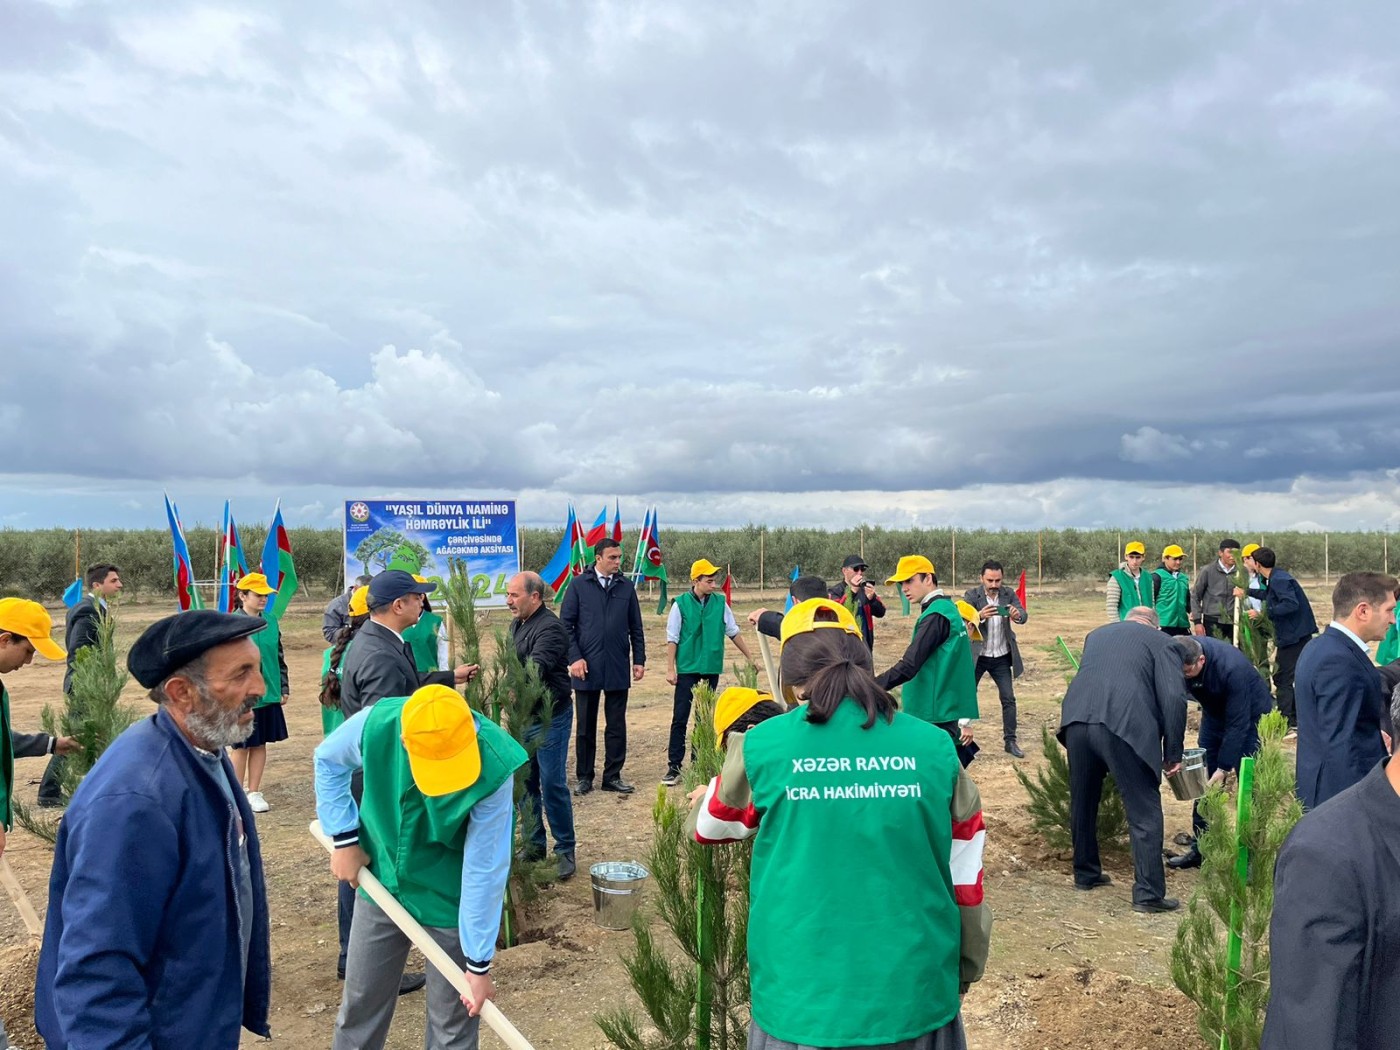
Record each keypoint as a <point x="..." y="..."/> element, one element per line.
<point x="257" y="803"/>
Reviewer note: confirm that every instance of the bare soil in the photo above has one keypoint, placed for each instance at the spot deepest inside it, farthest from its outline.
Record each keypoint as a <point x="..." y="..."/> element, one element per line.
<point x="1067" y="968"/>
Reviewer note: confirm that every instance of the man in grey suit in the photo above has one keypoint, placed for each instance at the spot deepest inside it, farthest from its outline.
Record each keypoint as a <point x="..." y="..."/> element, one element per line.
<point x="337" y="613"/>
<point x="1125" y="714"/>
<point x="997" y="653"/>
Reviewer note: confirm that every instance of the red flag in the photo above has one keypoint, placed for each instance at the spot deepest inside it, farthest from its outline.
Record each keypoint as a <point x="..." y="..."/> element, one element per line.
<point x="599" y="529"/>
<point x="728" y="589"/>
<point x="617" y="523"/>
<point x="1021" y="589"/>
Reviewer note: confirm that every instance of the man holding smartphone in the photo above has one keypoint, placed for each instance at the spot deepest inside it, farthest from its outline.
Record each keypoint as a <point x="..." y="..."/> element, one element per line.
<point x="997" y="653"/>
<point x="857" y="593"/>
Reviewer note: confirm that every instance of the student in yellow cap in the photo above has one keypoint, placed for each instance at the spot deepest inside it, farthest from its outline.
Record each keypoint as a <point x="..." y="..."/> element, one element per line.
<point x="1128" y="586"/>
<point x="867" y="809"/>
<point x="738" y="709"/>
<point x="935" y="676"/>
<point x="1256" y="581"/>
<point x="249" y="757"/>
<point x="333" y="661"/>
<point x="696" y="627"/>
<point x="1171" y="592"/>
<point x="434" y="825"/>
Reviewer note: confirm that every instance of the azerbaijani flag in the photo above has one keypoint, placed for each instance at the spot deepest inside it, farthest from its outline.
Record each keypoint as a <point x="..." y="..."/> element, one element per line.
<point x="232" y="561"/>
<point x="186" y="594"/>
<point x="652" y="565"/>
<point x="557" y="572"/>
<point x="599" y="529"/>
<point x="278" y="566"/>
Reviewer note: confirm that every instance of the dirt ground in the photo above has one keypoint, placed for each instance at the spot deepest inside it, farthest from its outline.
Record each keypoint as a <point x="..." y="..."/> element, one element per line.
<point x="1067" y="968"/>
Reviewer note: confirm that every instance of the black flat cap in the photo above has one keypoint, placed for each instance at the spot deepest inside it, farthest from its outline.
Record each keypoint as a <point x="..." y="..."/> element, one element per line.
<point x="169" y="644"/>
<point x="855" y="561"/>
<point x="394" y="584"/>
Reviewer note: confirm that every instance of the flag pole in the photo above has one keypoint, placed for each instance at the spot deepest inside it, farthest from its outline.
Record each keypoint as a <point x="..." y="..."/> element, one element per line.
<point x="77" y="553"/>
<point x="761" y="533"/>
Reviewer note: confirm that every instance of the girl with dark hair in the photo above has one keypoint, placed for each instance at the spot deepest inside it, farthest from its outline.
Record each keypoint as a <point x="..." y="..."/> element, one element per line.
<point x="249" y="758"/>
<point x="331" y="713"/>
<point x="848" y="777"/>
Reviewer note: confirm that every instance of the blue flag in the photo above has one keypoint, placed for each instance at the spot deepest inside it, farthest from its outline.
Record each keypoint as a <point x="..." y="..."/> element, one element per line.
<point x="796" y="572"/>
<point x="74" y="594"/>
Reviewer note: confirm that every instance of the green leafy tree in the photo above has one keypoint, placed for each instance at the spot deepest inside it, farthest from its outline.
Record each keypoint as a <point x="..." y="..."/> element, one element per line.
<point x="379" y="548"/>
<point x="699" y="1002"/>
<point x="1232" y="999"/>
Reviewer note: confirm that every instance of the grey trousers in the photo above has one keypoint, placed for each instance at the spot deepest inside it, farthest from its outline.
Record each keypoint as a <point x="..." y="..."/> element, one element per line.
<point x="378" y="953"/>
<point x="949" y="1037"/>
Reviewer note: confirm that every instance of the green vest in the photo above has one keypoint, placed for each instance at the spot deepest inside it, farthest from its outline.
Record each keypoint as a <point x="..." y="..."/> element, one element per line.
<point x="1173" y="599"/>
<point x="7" y="760"/>
<point x="422" y="638"/>
<point x="331" y="717"/>
<point x="1389" y="649"/>
<point x="1132" y="593"/>
<point x="701" y="648"/>
<point x="267" y="641"/>
<point x="945" y="687"/>
<point x="851" y="864"/>
<point x="415" y="842"/>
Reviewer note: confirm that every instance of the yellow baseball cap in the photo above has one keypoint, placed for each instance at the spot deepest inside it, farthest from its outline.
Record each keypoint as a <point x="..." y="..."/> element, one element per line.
<point x="971" y="619"/>
<point x="703" y="567"/>
<point x="257" y="583"/>
<point x="732" y="703"/>
<point x="911" y="565"/>
<point x="1135" y="547"/>
<point x="814" y="613"/>
<point x="439" y="734"/>
<point x="359" y="601"/>
<point x="1249" y="548"/>
<point x="1173" y="551"/>
<point x="30" y="621"/>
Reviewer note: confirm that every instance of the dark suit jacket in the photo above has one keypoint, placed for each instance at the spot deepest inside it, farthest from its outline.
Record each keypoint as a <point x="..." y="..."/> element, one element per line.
<point x="378" y="664"/>
<point x="1233" y="697"/>
<point x="1288" y="608"/>
<point x="542" y="640"/>
<point x="80" y="631"/>
<point x="1334" y="939"/>
<point x="1340" y="712"/>
<point x="977" y="598"/>
<point x="1130" y="681"/>
<point x="605" y="628"/>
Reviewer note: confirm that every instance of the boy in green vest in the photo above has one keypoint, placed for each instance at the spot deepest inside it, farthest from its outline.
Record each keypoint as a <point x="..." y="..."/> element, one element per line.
<point x="696" y="628"/>
<point x="1128" y="586"/>
<point x="936" y="672"/>
<point x="1171" y="592"/>
<point x="434" y="825"/>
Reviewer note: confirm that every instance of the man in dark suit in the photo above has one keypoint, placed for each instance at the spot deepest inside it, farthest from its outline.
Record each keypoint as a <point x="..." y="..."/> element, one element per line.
<point x="1334" y="939"/>
<point x="1341" y="705"/>
<point x="607" y="653"/>
<point x="996" y="652"/>
<point x="857" y="593"/>
<point x="379" y="663"/>
<point x="1233" y="697"/>
<point x="1125" y="714"/>
<point x="1288" y="607"/>
<point x="80" y="630"/>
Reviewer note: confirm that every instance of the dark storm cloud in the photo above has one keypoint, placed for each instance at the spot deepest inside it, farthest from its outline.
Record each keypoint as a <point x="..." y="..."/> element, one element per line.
<point x="726" y="250"/>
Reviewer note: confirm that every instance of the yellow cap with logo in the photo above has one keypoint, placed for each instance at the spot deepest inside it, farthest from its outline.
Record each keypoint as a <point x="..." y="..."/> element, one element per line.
<point x="439" y="734"/>
<point x="703" y="567"/>
<point x="911" y="565"/>
<point x="816" y="613"/>
<point x="30" y="621"/>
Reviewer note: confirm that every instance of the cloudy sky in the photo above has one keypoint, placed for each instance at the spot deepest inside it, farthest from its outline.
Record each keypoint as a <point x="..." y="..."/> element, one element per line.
<point x="800" y="262"/>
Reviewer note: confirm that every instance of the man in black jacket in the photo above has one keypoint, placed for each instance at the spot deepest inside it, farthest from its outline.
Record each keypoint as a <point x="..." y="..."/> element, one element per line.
<point x="540" y="638"/>
<point x="1125" y="714"/>
<point x="771" y="623"/>
<point x="857" y="593"/>
<point x="607" y="653"/>
<point x="1294" y="625"/>
<point x="379" y="663"/>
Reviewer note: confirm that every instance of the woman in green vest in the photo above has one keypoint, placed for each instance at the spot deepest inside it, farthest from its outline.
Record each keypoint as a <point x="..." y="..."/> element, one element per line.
<point x="868" y="843"/>
<point x="332" y="715"/>
<point x="269" y="723"/>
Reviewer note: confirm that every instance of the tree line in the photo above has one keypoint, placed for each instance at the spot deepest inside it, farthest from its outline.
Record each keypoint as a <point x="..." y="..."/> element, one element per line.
<point x="39" y="563"/>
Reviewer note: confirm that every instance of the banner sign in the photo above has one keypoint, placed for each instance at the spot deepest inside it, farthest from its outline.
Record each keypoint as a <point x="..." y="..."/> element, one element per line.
<point x="433" y="532"/>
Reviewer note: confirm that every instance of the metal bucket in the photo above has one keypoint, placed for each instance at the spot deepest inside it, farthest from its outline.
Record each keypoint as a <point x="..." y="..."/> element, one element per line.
<point x="617" y="890"/>
<point x="1189" y="782"/>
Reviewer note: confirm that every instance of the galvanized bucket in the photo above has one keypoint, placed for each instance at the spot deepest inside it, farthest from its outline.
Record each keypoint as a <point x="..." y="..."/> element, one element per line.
<point x="1189" y="782"/>
<point x="617" y="890"/>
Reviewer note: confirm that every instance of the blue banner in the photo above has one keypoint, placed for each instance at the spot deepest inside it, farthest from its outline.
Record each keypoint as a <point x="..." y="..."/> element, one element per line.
<point x="430" y="533"/>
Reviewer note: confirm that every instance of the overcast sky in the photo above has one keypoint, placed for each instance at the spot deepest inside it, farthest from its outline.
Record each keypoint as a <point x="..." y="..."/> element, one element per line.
<point x="802" y="263"/>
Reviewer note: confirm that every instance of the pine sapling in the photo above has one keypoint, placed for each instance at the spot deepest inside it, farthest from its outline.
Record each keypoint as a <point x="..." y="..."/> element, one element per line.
<point x="1048" y="791"/>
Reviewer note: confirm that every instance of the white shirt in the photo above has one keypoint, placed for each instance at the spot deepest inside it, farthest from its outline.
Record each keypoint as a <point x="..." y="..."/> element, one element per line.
<point x="1353" y="636"/>
<point x="996" y="641"/>
<point x="604" y="580"/>
<point x="673" y="621"/>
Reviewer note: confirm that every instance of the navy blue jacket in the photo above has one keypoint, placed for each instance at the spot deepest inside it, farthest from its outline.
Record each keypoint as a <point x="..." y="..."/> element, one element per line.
<point x="1233" y="697"/>
<point x="141" y="941"/>
<point x="1287" y="607"/>
<point x="605" y="628"/>
<point x="1340" y="709"/>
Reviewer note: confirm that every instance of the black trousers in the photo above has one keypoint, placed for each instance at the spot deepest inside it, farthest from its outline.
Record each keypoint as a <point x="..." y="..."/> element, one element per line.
<point x="999" y="667"/>
<point x="965" y="754"/>
<point x="1095" y="752"/>
<point x="680" y="715"/>
<point x="1176" y="632"/>
<point x="1287" y="660"/>
<point x="614" y="703"/>
<point x="49" y="790"/>
<point x="1212" y="736"/>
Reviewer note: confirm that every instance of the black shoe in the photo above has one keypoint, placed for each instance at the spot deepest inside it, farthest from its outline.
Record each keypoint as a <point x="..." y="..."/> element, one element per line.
<point x="1102" y="880"/>
<point x="411" y="982"/>
<point x="672" y="777"/>
<point x="619" y="785"/>
<point x="1159" y="905"/>
<point x="1014" y="749"/>
<point x="583" y="787"/>
<point x="340" y="973"/>
<point x="1190" y="859"/>
<point x="567" y="867"/>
